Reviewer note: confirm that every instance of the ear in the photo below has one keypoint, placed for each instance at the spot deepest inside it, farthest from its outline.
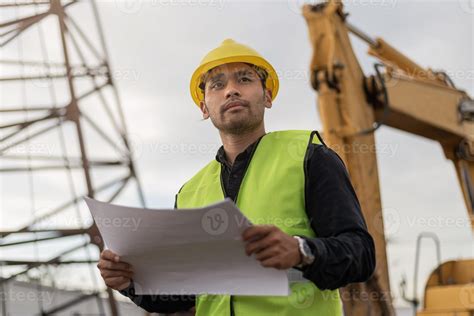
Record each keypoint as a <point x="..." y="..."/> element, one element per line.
<point x="268" y="98"/>
<point x="205" y="112"/>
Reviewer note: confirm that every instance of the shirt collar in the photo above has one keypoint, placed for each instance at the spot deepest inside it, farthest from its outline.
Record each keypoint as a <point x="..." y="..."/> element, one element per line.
<point x="220" y="156"/>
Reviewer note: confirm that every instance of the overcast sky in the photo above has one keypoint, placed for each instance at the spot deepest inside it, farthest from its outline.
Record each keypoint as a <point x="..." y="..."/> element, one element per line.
<point x="155" y="45"/>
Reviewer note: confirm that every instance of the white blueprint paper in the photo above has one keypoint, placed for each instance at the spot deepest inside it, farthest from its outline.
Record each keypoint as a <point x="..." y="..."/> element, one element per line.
<point x="186" y="251"/>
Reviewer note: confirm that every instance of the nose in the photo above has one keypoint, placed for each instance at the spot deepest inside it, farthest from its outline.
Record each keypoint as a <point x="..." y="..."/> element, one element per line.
<point x="231" y="90"/>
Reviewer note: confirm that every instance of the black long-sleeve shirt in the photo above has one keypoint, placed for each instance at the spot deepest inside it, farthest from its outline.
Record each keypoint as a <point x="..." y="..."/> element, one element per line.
<point x="344" y="250"/>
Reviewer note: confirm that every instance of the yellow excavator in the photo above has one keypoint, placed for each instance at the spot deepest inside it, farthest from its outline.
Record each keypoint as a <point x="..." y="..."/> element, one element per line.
<point x="403" y="95"/>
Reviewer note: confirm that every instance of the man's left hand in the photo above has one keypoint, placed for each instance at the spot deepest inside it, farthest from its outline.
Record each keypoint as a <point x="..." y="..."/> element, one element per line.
<point x="272" y="247"/>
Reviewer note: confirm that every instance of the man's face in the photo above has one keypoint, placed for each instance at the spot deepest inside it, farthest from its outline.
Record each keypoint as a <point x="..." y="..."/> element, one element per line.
<point x="234" y="98"/>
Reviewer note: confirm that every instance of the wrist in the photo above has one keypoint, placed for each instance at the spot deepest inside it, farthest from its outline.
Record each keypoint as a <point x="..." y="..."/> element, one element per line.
<point x="129" y="290"/>
<point x="306" y="254"/>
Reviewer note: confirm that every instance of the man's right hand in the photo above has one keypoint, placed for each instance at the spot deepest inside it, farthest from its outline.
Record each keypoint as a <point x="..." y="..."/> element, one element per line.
<point x="116" y="274"/>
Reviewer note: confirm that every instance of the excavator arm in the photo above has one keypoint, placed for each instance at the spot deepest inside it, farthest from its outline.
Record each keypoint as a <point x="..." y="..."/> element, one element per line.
<point x="352" y="107"/>
<point x="427" y="103"/>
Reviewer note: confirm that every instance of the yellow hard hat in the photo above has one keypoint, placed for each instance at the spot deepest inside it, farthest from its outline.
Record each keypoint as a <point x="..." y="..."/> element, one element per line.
<point x="230" y="52"/>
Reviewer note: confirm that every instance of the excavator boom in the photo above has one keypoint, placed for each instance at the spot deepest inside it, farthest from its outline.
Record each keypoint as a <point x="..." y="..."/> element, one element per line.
<point x="400" y="94"/>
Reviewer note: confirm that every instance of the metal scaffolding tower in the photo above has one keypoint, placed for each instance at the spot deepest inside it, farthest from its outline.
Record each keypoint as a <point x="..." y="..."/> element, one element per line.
<point x="62" y="131"/>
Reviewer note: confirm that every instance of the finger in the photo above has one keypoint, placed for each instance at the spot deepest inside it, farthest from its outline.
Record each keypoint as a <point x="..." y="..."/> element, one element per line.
<point x="109" y="255"/>
<point x="110" y="265"/>
<point x="257" y="232"/>
<point x="267" y="253"/>
<point x="261" y="244"/>
<point x="273" y="262"/>
<point x="114" y="273"/>
<point x="117" y="283"/>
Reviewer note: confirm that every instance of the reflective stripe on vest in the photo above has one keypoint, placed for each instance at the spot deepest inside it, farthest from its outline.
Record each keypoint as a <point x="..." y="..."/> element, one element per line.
<point x="272" y="192"/>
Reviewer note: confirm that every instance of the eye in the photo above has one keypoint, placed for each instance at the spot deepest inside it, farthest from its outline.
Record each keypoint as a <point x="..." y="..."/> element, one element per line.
<point x="246" y="79"/>
<point x="217" y="84"/>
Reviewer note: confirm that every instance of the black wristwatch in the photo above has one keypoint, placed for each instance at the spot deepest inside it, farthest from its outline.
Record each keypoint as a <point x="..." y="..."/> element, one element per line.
<point x="307" y="256"/>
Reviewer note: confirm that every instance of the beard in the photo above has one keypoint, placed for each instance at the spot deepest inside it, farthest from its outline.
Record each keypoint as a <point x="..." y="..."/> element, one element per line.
<point x="239" y="123"/>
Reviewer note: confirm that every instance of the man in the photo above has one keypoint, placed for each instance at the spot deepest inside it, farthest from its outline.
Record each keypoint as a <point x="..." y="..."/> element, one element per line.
<point x="289" y="183"/>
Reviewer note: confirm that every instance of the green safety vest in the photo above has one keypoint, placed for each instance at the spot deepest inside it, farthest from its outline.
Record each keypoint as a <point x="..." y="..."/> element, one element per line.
<point x="272" y="192"/>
